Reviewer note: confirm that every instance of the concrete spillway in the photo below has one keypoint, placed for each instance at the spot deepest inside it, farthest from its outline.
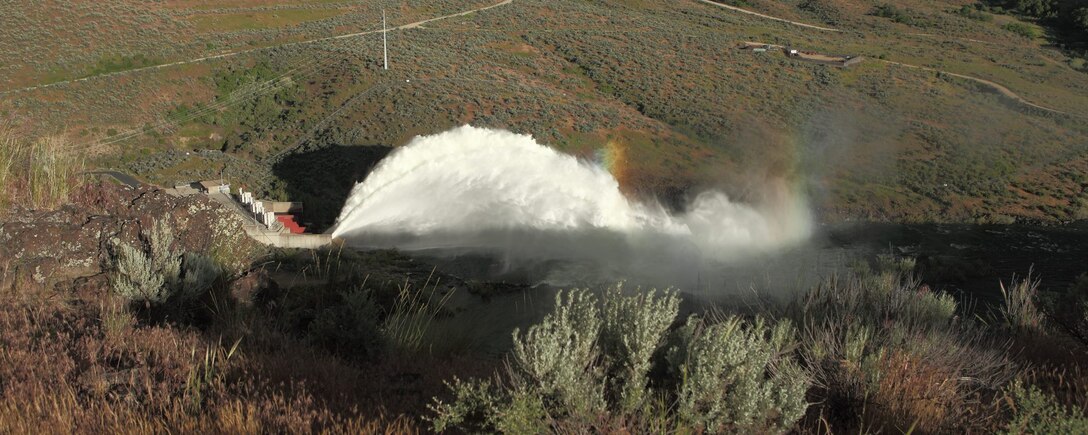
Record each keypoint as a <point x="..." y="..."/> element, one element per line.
<point x="276" y="238"/>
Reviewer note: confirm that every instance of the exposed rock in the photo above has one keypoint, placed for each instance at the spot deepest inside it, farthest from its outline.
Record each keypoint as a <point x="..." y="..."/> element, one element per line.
<point x="76" y="240"/>
<point x="247" y="289"/>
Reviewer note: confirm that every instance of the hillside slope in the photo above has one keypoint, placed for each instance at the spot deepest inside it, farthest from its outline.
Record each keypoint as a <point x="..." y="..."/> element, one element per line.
<point x="657" y="90"/>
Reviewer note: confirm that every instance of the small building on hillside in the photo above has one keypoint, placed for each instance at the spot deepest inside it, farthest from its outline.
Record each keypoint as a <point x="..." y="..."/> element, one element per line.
<point x="214" y="186"/>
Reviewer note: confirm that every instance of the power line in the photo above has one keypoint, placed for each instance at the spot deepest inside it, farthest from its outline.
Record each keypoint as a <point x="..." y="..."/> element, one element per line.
<point x="385" y="40"/>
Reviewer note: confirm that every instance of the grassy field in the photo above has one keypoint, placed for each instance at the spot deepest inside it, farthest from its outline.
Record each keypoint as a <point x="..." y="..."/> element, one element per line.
<point x="663" y="82"/>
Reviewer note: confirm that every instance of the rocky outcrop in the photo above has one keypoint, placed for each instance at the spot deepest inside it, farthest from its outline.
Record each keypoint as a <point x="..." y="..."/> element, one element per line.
<point x="47" y="247"/>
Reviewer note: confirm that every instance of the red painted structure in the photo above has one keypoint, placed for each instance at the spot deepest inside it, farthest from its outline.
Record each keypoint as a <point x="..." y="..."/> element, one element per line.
<point x="288" y="222"/>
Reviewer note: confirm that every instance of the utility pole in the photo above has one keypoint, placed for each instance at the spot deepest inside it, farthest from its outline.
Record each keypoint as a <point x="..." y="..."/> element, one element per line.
<point x="385" y="40"/>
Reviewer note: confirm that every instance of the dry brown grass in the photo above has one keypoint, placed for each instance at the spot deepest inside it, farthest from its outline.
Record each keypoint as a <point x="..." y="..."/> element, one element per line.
<point x="36" y="173"/>
<point x="1057" y="365"/>
<point x="64" y="412"/>
<point x="74" y="364"/>
<point x="1021" y="312"/>
<point x="890" y="355"/>
<point x="1067" y="383"/>
<point x="911" y="389"/>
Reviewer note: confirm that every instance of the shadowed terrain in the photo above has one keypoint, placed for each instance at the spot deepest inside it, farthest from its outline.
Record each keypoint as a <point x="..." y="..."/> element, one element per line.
<point x="323" y="178"/>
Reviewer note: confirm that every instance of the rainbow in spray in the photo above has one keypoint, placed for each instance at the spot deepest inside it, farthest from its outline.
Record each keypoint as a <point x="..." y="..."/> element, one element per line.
<point x="613" y="158"/>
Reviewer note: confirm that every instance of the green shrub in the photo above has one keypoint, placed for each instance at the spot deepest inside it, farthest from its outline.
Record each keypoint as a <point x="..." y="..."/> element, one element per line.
<point x="1024" y="30"/>
<point x="1038" y="413"/>
<point x="823" y="9"/>
<point x="973" y="12"/>
<point x="588" y="363"/>
<point x="114" y="64"/>
<point x="555" y="358"/>
<point x="155" y="272"/>
<point x="738" y="378"/>
<point x="895" y="14"/>
<point x="633" y="329"/>
<point x="1031" y="8"/>
<point x="1080" y="19"/>
<point x="349" y="327"/>
<point x="475" y="408"/>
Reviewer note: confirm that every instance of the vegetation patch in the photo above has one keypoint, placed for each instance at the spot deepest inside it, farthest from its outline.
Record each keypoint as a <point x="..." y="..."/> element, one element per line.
<point x="1068" y="18"/>
<point x="585" y="367"/>
<point x="36" y="173"/>
<point x="896" y="14"/>
<point x="1023" y="30"/>
<point x="259" y="20"/>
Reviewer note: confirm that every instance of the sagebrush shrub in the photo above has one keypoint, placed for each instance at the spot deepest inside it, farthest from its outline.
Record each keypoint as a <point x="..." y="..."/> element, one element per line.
<point x="136" y="278"/>
<point x="200" y="273"/>
<point x="633" y="329"/>
<point x="587" y="364"/>
<point x="555" y="358"/>
<point x="475" y="408"/>
<point x="156" y="272"/>
<point x="738" y="377"/>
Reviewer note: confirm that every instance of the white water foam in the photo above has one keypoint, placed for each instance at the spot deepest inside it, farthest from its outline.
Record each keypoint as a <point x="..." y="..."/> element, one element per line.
<point x="477" y="189"/>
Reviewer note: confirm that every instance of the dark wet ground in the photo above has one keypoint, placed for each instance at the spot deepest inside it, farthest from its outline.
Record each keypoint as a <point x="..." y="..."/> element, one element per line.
<point x="972" y="258"/>
<point x="967" y="260"/>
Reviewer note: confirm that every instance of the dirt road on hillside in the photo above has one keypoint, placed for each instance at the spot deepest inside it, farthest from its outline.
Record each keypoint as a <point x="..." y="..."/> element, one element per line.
<point x="783" y="20"/>
<point x="996" y="86"/>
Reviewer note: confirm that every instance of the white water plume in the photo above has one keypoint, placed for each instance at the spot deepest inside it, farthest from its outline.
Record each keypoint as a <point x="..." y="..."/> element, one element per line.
<point x="476" y="189"/>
